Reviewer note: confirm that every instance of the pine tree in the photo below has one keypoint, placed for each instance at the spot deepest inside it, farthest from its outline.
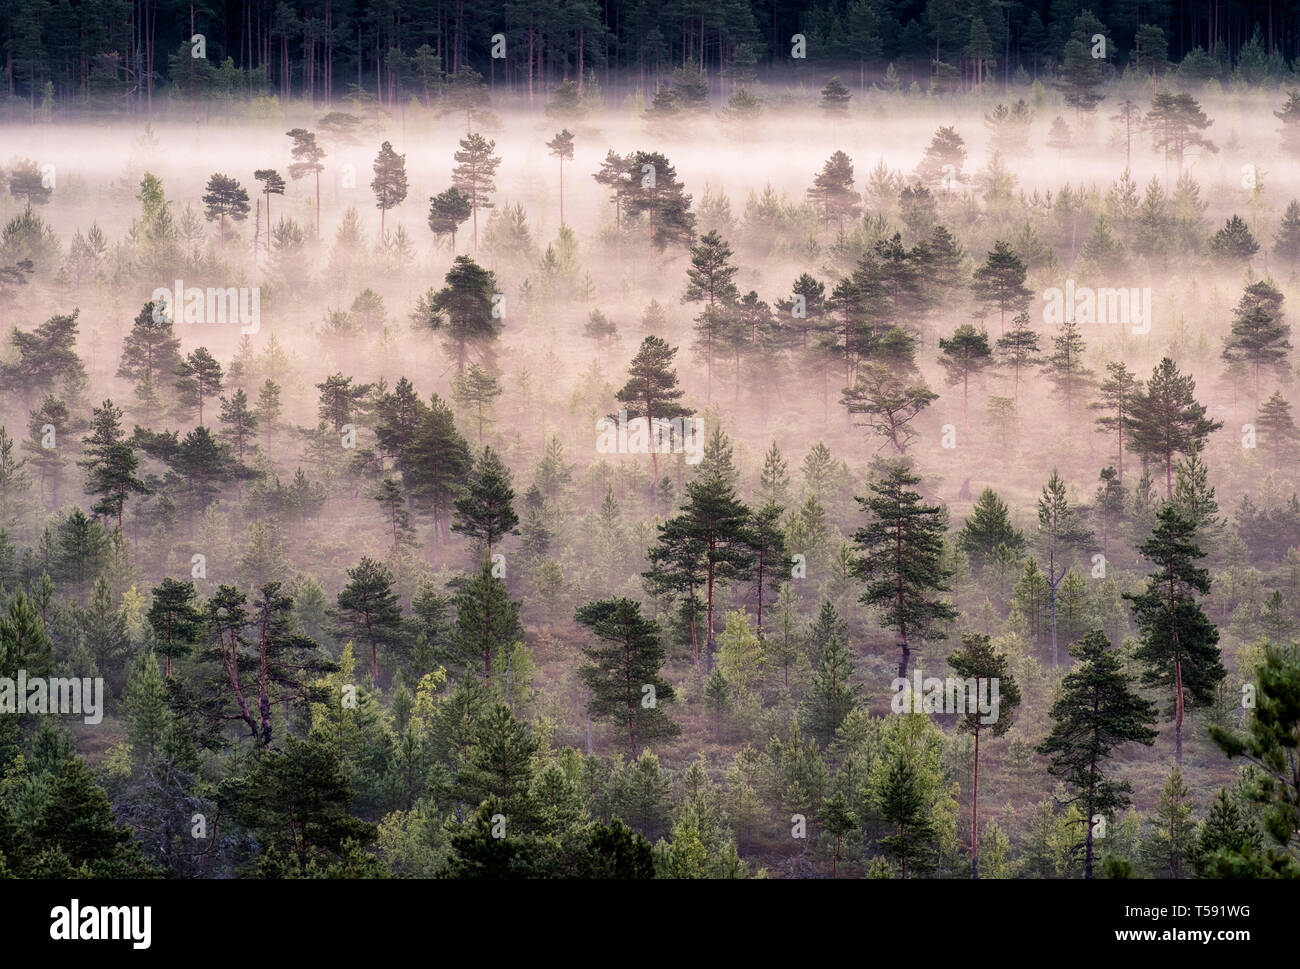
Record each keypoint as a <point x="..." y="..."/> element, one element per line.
<point x="1259" y="337"/>
<point x="14" y="481"/>
<point x="465" y="91"/>
<point x="110" y="464"/>
<point x="295" y="800"/>
<point x="26" y="181"/>
<point x="1094" y="713"/>
<point x="341" y="400"/>
<point x="1117" y="394"/>
<point x="81" y="550"/>
<point x="47" y="462"/>
<point x="988" y="526"/>
<point x="200" y="462"/>
<point x="965" y="354"/>
<point x="838" y="819"/>
<point x="811" y="317"/>
<point x="655" y="191"/>
<point x="24" y="642"/>
<point x="601" y="331"/>
<point x="225" y="197"/>
<point x="1060" y="535"/>
<point x="616" y="176"/>
<point x="831" y="695"/>
<point x="1290" y="118"/>
<point x="1109" y="505"/>
<point x="1169" y="849"/>
<point x="1081" y="75"/>
<point x="707" y="544"/>
<point x="709" y="281"/>
<point x="717" y="697"/>
<point x="1234" y="242"/>
<point x="902" y="560"/>
<point x="1286" y="244"/>
<point x="144" y="703"/>
<point x="389" y="183"/>
<point x="393" y="503"/>
<point x="774" y="479"/>
<point x="835" y="98"/>
<point x="1065" y="367"/>
<point x="1224" y="839"/>
<point x="368" y="610"/>
<point x="151" y="347"/>
<point x="1000" y="282"/>
<point x="553" y="473"/>
<point x="1176" y="122"/>
<point x="651" y="393"/>
<point x="1273" y="788"/>
<point x="104" y="630"/>
<point x="980" y="49"/>
<point x="741" y="656"/>
<point x="436" y="463"/>
<point x="888" y="403"/>
<point x="447" y="212"/>
<point x="272" y="184"/>
<point x="1018" y="350"/>
<point x="627" y="660"/>
<point x="677" y="572"/>
<point x="175" y="619"/>
<point x="1153" y="228"/>
<point x="485" y="512"/>
<point x="1010" y="128"/>
<point x="785" y="646"/>
<point x="487" y="622"/>
<point x="269" y="409"/>
<point x="833" y="190"/>
<point x="943" y="158"/>
<point x="43" y="356"/>
<point x="1279" y="430"/>
<point x="466" y="310"/>
<point x="1167" y="420"/>
<point x="475" y="390"/>
<point x="239" y="422"/>
<point x="77" y="820"/>
<point x="500" y="766"/>
<point x="561" y="147"/>
<point x="977" y="663"/>
<point x="288" y="661"/>
<point x="1059" y="136"/>
<point x="901" y="803"/>
<point x="307" y="155"/>
<point x="772" y="561"/>
<point x="1179" y="644"/>
<point x="1194" y="495"/>
<point x="476" y="166"/>
<point x="200" y="377"/>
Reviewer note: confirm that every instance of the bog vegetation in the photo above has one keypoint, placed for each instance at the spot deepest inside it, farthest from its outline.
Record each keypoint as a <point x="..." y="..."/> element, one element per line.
<point x="451" y="477"/>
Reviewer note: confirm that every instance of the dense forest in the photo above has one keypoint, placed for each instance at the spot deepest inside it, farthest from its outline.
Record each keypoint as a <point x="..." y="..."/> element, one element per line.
<point x="648" y="454"/>
<point x="139" y="56"/>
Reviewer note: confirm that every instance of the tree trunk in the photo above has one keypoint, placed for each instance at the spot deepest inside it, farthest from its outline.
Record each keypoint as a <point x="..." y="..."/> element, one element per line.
<point x="1051" y="589"/>
<point x="708" y="614"/>
<point x="975" y="812"/>
<point x="1178" y="712"/>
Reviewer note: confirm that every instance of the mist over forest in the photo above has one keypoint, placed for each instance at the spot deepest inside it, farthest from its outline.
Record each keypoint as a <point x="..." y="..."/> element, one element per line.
<point x="864" y="456"/>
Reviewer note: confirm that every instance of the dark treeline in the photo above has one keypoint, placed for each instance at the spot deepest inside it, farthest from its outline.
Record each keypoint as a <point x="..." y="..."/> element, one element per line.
<point x="124" y="55"/>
